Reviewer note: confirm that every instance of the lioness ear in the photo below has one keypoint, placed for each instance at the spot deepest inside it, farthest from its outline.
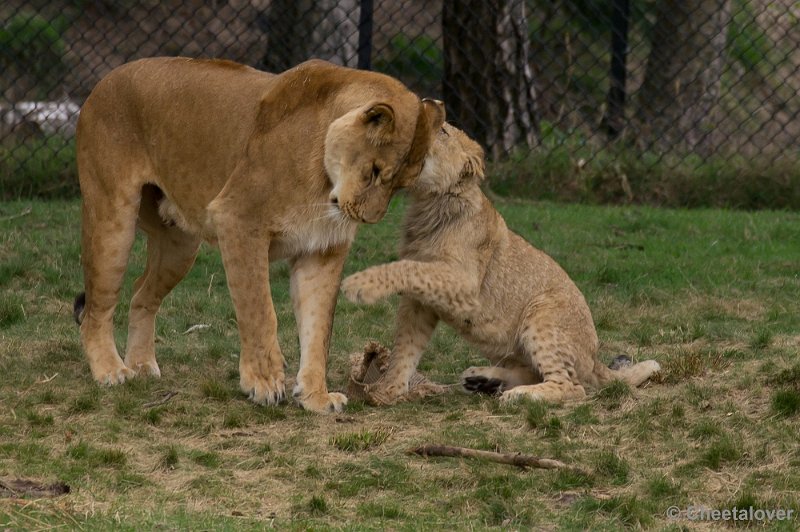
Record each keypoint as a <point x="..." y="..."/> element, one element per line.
<point x="379" y="120"/>
<point x="434" y="110"/>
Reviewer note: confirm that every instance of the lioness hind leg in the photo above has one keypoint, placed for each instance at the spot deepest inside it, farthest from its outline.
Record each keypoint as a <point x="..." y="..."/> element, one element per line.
<point x="170" y="255"/>
<point x="108" y="231"/>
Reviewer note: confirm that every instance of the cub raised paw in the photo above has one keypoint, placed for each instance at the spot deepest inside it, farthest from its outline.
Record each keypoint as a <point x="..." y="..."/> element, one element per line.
<point x="363" y="288"/>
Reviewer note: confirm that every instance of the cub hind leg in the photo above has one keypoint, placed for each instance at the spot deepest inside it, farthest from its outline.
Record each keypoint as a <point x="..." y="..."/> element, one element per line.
<point x="494" y="380"/>
<point x="170" y="255"/>
<point x="553" y="358"/>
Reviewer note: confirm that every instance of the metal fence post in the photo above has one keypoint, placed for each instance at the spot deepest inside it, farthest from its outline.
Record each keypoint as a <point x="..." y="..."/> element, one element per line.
<point x="615" y="112"/>
<point x="365" y="35"/>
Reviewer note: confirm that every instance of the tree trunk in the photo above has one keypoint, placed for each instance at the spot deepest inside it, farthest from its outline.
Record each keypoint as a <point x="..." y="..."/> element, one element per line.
<point x="298" y="30"/>
<point x="488" y="80"/>
<point x="677" y="100"/>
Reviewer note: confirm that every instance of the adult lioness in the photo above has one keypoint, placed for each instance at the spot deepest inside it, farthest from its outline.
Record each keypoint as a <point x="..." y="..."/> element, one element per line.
<point x="267" y="166"/>
<point x="460" y="264"/>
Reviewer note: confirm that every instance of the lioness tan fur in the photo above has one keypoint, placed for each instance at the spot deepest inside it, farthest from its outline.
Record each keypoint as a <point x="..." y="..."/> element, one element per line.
<point x="266" y="166"/>
<point x="461" y="264"/>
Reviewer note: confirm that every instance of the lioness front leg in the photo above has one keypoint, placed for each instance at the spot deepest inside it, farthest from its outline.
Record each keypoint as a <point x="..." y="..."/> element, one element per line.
<point x="245" y="256"/>
<point x="314" y="286"/>
<point x="415" y="325"/>
<point x="434" y="284"/>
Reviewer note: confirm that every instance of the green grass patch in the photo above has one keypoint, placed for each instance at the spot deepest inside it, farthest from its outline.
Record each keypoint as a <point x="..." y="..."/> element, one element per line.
<point x="722" y="451"/>
<point x="205" y="458"/>
<point x="360" y="441"/>
<point x="786" y="402"/>
<point x="613" y="394"/>
<point x="12" y="310"/>
<point x="611" y="466"/>
<point x="97" y="456"/>
<point x="628" y="511"/>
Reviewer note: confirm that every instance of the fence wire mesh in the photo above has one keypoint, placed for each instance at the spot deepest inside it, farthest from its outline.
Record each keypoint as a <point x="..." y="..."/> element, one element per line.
<point x="618" y="91"/>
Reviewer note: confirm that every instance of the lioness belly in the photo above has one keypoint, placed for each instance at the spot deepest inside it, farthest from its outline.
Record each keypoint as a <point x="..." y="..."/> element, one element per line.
<point x="300" y="231"/>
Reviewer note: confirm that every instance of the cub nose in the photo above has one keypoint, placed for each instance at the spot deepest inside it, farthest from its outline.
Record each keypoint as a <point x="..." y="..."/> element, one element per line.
<point x="333" y="198"/>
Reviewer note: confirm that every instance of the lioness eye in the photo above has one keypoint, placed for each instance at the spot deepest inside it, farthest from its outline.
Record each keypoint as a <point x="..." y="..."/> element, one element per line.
<point x="375" y="172"/>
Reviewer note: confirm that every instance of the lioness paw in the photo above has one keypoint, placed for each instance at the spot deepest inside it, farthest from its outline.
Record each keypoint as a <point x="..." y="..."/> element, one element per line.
<point x="361" y="288"/>
<point x="144" y="369"/>
<point x="114" y="376"/>
<point x="269" y="390"/>
<point x="321" y="402"/>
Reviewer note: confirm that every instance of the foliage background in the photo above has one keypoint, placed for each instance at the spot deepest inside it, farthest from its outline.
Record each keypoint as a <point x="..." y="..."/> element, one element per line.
<point x="748" y="157"/>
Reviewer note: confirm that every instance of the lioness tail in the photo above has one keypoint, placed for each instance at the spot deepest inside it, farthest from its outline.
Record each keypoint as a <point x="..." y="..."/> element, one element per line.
<point x="78" y="307"/>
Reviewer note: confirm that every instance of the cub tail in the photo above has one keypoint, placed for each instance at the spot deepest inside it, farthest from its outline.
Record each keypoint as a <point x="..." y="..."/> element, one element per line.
<point x="621" y="368"/>
<point x="78" y="307"/>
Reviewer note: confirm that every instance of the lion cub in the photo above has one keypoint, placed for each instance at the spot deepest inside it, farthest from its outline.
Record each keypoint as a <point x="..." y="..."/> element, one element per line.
<point x="462" y="265"/>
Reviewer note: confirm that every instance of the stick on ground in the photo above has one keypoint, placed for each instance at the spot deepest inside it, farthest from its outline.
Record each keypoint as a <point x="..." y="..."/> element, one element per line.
<point x="166" y="397"/>
<point x="516" y="459"/>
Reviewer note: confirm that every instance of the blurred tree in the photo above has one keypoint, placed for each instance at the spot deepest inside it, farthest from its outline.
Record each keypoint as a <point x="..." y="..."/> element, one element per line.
<point x="298" y="30"/>
<point x="31" y="57"/>
<point x="488" y="81"/>
<point x="677" y="100"/>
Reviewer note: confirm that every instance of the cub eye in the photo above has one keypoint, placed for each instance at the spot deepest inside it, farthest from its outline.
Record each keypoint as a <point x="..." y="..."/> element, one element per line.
<point x="444" y="132"/>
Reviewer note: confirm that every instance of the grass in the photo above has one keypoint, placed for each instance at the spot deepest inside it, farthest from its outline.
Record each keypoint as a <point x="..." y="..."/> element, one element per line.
<point x="569" y="167"/>
<point x="711" y="294"/>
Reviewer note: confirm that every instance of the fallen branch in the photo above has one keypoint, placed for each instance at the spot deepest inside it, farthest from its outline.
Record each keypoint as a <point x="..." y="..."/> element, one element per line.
<point x="516" y="459"/>
<point x="29" y="488"/>
<point x="167" y="396"/>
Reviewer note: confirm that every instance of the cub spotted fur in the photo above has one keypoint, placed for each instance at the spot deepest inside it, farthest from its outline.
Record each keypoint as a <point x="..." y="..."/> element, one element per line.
<point x="266" y="166"/>
<point x="460" y="264"/>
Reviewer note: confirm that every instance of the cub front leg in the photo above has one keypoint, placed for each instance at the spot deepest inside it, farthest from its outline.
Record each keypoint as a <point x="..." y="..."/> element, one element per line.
<point x="314" y="286"/>
<point x="434" y="284"/>
<point x="415" y="325"/>
<point x="245" y="257"/>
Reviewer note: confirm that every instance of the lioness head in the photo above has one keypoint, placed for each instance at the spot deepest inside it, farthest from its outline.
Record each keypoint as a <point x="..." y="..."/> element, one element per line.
<point x="372" y="151"/>
<point x="454" y="160"/>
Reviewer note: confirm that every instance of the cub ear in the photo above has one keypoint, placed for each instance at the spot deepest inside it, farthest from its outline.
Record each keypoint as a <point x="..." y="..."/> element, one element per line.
<point x="379" y="120"/>
<point x="474" y="166"/>
<point x="435" y="113"/>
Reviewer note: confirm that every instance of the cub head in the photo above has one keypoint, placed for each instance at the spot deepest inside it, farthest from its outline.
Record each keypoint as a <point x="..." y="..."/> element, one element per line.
<point x="372" y="151"/>
<point x="453" y="162"/>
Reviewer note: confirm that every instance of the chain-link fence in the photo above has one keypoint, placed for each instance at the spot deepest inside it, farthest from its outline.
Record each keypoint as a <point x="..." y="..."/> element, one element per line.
<point x="617" y="99"/>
